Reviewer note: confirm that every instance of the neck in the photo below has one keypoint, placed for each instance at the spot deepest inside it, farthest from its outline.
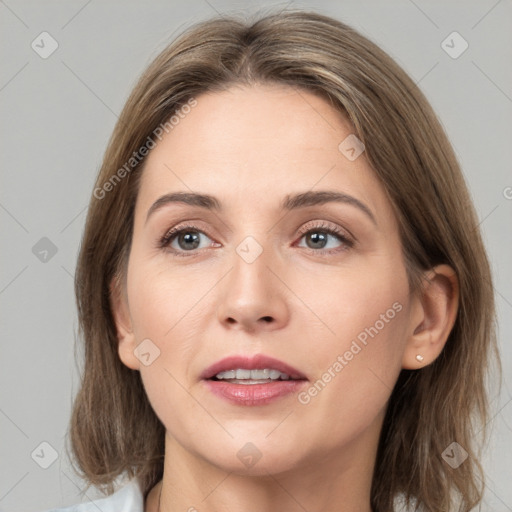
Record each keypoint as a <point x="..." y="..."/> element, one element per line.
<point x="335" y="481"/>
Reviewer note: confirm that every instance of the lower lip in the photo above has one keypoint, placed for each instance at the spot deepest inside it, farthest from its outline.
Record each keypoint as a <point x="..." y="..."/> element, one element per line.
<point x="254" y="394"/>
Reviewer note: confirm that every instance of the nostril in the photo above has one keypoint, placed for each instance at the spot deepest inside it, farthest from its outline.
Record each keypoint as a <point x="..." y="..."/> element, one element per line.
<point x="267" y="318"/>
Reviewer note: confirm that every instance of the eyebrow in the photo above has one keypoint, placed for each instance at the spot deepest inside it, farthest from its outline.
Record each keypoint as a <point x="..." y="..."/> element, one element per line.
<point x="290" y="202"/>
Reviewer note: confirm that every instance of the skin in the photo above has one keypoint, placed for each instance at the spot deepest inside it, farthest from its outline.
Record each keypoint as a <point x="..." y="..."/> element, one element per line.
<point x="199" y="309"/>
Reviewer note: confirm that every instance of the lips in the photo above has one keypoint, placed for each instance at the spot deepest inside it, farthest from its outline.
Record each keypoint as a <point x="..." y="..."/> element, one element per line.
<point x="257" y="362"/>
<point x="252" y="381"/>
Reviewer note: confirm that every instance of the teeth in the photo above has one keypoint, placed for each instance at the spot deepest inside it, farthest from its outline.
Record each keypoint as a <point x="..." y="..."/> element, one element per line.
<point x="242" y="374"/>
<point x="274" y="374"/>
<point x="262" y="374"/>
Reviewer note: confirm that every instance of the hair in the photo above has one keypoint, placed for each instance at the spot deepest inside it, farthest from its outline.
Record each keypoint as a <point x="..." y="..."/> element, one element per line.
<point x="408" y="151"/>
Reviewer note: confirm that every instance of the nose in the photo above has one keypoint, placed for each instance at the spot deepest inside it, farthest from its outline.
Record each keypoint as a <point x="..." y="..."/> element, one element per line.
<point x="253" y="296"/>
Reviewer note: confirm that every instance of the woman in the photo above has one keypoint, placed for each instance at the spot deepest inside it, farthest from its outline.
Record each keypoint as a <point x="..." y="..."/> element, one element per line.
<point x="283" y="293"/>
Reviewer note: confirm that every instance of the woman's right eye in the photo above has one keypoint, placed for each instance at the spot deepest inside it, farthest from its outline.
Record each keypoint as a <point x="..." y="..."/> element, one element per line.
<point x="182" y="240"/>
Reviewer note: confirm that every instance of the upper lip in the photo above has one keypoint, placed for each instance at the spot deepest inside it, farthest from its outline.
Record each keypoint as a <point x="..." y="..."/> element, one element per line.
<point x="259" y="361"/>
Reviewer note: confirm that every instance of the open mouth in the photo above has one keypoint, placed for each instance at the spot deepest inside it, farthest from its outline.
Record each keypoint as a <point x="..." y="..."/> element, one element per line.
<point x="252" y="380"/>
<point x="256" y="376"/>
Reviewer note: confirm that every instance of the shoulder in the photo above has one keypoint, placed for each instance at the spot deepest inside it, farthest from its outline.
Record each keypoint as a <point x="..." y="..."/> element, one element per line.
<point x="127" y="499"/>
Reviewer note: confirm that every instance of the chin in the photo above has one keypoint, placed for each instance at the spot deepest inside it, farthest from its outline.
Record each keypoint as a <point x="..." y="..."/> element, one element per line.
<point x="255" y="455"/>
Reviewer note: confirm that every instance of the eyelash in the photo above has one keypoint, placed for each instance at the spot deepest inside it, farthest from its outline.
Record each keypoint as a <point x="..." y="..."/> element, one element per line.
<point x="166" y="240"/>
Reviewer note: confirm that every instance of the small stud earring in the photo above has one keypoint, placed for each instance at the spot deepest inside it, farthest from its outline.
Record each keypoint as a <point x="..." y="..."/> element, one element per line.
<point x="419" y="358"/>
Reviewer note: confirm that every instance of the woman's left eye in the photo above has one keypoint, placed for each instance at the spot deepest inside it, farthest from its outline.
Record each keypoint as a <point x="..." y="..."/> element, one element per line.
<point x="318" y="239"/>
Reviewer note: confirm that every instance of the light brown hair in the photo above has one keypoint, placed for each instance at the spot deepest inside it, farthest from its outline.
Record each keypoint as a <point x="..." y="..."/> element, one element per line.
<point x="114" y="429"/>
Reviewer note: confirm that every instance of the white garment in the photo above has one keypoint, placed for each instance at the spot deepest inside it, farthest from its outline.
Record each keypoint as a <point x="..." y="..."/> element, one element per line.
<point x="127" y="499"/>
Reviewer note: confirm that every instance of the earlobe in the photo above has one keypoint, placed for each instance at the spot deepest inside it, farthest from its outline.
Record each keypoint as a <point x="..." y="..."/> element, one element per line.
<point x="438" y="303"/>
<point x="125" y="336"/>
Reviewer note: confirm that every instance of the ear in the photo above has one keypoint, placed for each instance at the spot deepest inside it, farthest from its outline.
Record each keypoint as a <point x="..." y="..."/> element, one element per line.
<point x="435" y="312"/>
<point x="121" y="312"/>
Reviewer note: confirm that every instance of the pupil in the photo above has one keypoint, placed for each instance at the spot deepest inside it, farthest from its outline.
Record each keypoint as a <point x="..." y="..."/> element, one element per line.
<point x="189" y="237"/>
<point x="318" y="238"/>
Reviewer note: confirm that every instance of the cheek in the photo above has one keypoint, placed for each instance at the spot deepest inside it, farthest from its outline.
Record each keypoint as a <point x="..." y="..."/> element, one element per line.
<point x="356" y="367"/>
<point x="168" y="308"/>
<point x="164" y="305"/>
<point x="358" y="306"/>
<point x="163" y="301"/>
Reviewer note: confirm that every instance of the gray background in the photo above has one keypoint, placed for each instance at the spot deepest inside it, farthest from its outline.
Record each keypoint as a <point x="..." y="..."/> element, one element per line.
<point x="57" y="114"/>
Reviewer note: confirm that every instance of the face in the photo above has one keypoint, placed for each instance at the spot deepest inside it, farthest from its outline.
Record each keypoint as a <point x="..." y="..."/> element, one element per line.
<point x="269" y="275"/>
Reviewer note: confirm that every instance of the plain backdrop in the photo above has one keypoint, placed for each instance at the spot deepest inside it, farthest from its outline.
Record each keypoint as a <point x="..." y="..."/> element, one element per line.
<point x="57" y="114"/>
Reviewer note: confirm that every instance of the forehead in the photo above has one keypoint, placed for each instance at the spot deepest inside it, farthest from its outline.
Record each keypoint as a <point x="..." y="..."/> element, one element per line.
<point x="257" y="121"/>
<point x="258" y="143"/>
